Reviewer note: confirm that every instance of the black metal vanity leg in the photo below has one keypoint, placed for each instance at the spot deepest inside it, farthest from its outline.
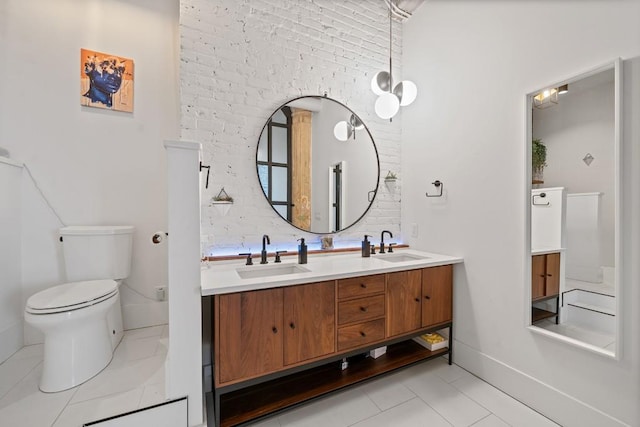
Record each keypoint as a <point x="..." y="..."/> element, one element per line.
<point x="558" y="310"/>
<point x="450" y="344"/>
<point x="216" y="408"/>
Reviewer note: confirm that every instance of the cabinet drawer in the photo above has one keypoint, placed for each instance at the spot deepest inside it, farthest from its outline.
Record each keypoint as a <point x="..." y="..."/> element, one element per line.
<point x="360" y="286"/>
<point x="361" y="309"/>
<point x="360" y="334"/>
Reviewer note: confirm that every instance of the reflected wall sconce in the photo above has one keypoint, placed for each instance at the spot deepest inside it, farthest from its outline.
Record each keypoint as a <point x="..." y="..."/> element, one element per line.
<point x="391" y="98"/>
<point x="344" y="130"/>
<point x="549" y="97"/>
<point x="545" y="99"/>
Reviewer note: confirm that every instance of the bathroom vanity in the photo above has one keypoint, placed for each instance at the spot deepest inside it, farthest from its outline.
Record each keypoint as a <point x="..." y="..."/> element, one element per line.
<point x="545" y="283"/>
<point x="286" y="333"/>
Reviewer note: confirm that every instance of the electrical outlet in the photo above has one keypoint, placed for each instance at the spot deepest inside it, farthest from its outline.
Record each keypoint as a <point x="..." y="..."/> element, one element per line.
<point x="414" y="229"/>
<point x="161" y="293"/>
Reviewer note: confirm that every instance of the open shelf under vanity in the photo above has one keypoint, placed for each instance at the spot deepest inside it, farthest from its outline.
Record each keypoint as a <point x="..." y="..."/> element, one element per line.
<point x="268" y="398"/>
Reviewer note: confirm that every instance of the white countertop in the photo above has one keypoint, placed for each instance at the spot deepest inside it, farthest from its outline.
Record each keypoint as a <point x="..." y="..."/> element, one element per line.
<point x="546" y="250"/>
<point x="222" y="277"/>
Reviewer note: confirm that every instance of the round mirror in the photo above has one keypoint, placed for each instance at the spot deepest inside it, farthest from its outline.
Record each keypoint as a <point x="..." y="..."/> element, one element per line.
<point x="317" y="164"/>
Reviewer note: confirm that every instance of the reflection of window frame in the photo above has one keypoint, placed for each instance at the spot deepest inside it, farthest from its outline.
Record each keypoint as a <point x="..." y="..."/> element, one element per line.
<point x="270" y="164"/>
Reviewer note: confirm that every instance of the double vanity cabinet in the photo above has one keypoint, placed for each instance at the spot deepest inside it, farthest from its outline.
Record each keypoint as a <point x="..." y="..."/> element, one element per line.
<point x="279" y="341"/>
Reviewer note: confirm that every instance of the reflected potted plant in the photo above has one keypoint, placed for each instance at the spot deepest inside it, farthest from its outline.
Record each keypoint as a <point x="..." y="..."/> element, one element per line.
<point x="538" y="160"/>
<point x="222" y="202"/>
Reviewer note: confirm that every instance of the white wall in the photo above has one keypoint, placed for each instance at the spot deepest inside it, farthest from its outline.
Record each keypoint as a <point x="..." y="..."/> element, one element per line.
<point x="11" y="338"/>
<point x="240" y="60"/>
<point x="477" y="60"/>
<point x="582" y="123"/>
<point x="94" y="166"/>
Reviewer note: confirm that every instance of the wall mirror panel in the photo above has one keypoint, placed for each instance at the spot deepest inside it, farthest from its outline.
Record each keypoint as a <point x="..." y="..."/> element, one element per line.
<point x="573" y="191"/>
<point x="317" y="164"/>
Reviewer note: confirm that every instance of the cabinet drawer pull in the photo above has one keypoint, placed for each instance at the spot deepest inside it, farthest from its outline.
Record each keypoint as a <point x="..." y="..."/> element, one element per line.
<point x="427" y="297"/>
<point x="542" y="275"/>
<point x="417" y="299"/>
<point x="363" y="285"/>
<point x="363" y="334"/>
<point x="363" y="309"/>
<point x="292" y="325"/>
<point x="275" y="330"/>
<point x="549" y="275"/>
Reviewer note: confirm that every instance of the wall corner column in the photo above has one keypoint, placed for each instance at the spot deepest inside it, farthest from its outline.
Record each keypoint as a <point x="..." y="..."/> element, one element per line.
<point x="184" y="359"/>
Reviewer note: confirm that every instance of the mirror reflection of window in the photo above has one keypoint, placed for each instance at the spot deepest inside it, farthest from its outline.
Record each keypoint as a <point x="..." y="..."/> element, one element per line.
<point x="273" y="162"/>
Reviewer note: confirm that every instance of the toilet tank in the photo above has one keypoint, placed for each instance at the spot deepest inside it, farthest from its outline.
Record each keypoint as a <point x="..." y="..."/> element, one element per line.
<point x="97" y="252"/>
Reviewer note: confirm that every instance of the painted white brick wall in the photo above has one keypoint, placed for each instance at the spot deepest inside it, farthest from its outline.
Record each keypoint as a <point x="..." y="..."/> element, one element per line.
<point x="240" y="60"/>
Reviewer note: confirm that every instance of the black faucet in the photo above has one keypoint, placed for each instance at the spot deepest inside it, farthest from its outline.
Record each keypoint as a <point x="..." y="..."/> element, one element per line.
<point x="263" y="254"/>
<point x="382" y="239"/>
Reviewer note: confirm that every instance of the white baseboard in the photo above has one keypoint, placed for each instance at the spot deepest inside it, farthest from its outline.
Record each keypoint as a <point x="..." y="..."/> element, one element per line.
<point x="146" y="314"/>
<point x="545" y="399"/>
<point x="11" y="340"/>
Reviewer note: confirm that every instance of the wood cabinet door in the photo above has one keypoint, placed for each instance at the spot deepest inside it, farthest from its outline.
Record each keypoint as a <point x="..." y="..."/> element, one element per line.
<point x="309" y="321"/>
<point x="404" y="291"/>
<point x="552" y="270"/>
<point x="538" y="276"/>
<point x="437" y="295"/>
<point x="249" y="334"/>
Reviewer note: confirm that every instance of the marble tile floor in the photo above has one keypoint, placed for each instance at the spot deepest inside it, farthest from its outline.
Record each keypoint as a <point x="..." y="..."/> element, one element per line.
<point x="430" y="394"/>
<point x="580" y="333"/>
<point x="601" y="288"/>
<point x="134" y="379"/>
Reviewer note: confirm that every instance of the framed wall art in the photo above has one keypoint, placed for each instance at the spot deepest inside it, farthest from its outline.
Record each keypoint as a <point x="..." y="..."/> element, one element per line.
<point x="106" y="81"/>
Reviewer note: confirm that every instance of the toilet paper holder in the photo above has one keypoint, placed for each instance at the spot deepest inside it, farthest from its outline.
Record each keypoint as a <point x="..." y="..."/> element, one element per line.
<point x="159" y="237"/>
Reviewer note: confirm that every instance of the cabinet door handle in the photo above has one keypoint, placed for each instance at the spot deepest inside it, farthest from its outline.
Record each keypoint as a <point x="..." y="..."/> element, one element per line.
<point x="275" y="330"/>
<point x="549" y="275"/>
<point x="542" y="275"/>
<point x="427" y="297"/>
<point x="363" y="285"/>
<point x="363" y="309"/>
<point x="417" y="299"/>
<point x="363" y="334"/>
<point x="292" y="325"/>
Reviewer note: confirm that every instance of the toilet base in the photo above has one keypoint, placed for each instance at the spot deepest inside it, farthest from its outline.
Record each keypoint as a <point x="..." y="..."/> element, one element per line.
<point x="78" y="344"/>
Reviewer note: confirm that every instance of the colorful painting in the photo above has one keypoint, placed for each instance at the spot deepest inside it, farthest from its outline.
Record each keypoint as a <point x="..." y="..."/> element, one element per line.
<point x="106" y="81"/>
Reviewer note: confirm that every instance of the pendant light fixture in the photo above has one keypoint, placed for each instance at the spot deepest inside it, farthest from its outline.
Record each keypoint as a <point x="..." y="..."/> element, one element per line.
<point x="344" y="130"/>
<point x="391" y="98"/>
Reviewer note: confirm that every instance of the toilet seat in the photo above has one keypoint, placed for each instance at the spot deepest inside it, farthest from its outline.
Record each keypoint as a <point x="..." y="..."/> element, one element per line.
<point x="71" y="296"/>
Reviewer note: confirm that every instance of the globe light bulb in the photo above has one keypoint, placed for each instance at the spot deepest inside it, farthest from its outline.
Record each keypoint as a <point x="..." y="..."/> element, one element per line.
<point x="387" y="105"/>
<point x="342" y="131"/>
<point x="380" y="83"/>
<point x="406" y="91"/>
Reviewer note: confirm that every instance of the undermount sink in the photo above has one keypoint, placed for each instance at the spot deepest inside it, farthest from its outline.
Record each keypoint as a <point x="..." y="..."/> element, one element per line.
<point x="401" y="257"/>
<point x="269" y="270"/>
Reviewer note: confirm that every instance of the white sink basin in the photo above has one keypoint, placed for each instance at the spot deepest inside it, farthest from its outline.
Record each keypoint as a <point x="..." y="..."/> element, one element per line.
<point x="401" y="257"/>
<point x="269" y="270"/>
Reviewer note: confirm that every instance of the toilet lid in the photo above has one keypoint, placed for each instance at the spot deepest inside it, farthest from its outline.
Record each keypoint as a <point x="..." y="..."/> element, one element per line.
<point x="72" y="295"/>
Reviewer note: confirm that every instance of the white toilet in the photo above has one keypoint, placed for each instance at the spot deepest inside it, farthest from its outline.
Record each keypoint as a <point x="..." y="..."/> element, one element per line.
<point x="82" y="320"/>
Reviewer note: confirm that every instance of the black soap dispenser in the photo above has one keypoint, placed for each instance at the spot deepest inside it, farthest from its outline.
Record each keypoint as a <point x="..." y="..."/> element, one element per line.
<point x="302" y="251"/>
<point x="366" y="247"/>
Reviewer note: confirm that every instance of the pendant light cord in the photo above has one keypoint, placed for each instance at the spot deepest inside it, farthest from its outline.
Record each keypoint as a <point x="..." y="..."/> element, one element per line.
<point x="390" y="50"/>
